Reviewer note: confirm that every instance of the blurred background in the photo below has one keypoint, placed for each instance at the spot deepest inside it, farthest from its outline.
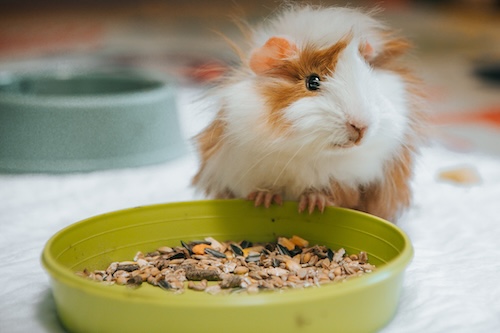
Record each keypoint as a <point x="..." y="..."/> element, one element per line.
<point x="457" y="47"/>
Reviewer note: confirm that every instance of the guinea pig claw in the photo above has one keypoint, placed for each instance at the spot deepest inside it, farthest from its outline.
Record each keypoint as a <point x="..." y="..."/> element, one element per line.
<point x="321" y="203"/>
<point x="312" y="200"/>
<point x="278" y="199"/>
<point x="259" y="198"/>
<point x="302" y="203"/>
<point x="265" y="198"/>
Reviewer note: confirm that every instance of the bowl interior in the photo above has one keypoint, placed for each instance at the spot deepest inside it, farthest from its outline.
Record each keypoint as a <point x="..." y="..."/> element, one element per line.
<point x="95" y="243"/>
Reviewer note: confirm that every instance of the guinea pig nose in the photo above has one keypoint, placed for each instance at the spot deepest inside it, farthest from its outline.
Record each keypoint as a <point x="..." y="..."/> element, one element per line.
<point x="355" y="132"/>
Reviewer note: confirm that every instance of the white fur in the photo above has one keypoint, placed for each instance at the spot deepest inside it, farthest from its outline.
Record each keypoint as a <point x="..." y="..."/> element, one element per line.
<point x="321" y="26"/>
<point x="254" y="157"/>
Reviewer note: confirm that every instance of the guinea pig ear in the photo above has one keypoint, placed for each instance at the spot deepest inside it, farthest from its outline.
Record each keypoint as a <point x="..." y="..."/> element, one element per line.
<point x="271" y="54"/>
<point x="384" y="50"/>
<point x="367" y="51"/>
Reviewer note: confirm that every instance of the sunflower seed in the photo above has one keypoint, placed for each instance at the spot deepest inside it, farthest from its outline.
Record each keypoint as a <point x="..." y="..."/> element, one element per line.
<point x="215" y="253"/>
<point x="244" y="244"/>
<point x="237" y="250"/>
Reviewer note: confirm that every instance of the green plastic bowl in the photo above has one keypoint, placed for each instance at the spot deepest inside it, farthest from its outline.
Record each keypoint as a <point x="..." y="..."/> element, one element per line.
<point x="363" y="304"/>
<point x="86" y="120"/>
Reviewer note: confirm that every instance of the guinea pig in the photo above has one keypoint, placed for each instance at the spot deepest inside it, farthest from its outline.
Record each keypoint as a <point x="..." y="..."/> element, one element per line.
<point x="321" y="111"/>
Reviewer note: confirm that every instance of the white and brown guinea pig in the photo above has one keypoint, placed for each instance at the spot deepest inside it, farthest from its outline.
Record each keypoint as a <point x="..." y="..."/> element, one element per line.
<point x="320" y="112"/>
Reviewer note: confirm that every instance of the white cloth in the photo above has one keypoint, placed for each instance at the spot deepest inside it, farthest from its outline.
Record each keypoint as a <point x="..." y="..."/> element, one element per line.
<point x="452" y="285"/>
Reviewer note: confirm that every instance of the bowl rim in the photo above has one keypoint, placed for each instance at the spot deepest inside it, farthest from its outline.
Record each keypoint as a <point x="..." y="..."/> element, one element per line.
<point x="162" y="84"/>
<point x="393" y="267"/>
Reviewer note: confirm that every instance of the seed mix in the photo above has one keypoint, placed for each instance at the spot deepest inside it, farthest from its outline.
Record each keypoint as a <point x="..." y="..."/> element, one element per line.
<point x="235" y="266"/>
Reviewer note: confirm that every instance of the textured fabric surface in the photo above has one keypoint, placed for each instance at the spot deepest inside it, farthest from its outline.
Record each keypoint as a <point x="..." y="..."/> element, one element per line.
<point x="452" y="285"/>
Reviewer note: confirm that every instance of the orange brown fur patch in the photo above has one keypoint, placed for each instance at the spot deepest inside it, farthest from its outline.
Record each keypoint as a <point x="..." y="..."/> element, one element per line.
<point x="209" y="141"/>
<point x="345" y="196"/>
<point x="393" y="48"/>
<point x="284" y="83"/>
<point x="388" y="198"/>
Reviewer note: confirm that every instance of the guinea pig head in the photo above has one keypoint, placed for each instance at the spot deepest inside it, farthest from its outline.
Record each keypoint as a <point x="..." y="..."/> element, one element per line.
<point x="325" y="98"/>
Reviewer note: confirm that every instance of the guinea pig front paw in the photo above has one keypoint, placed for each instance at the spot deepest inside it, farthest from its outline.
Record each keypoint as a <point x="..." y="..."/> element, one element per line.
<point x="265" y="197"/>
<point x="313" y="199"/>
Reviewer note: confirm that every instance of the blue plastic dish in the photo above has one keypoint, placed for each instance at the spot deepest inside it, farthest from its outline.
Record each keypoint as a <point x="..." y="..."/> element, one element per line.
<point x="85" y="121"/>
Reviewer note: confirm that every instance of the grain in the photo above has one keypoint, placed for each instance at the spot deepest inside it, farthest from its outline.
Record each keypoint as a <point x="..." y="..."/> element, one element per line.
<point x="220" y="267"/>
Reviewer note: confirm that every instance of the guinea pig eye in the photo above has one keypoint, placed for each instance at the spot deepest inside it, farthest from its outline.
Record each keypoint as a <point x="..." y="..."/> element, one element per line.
<point x="313" y="82"/>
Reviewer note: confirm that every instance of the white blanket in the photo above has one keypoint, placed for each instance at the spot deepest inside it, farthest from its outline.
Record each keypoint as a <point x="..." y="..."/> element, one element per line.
<point x="452" y="285"/>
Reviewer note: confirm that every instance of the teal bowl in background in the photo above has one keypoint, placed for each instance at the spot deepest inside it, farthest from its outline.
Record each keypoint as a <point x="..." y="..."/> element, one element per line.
<point x="87" y="120"/>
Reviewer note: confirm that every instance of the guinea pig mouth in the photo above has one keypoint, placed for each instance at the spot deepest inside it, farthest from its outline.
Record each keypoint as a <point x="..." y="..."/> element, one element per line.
<point x="349" y="144"/>
<point x="354" y="137"/>
<point x="346" y="145"/>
